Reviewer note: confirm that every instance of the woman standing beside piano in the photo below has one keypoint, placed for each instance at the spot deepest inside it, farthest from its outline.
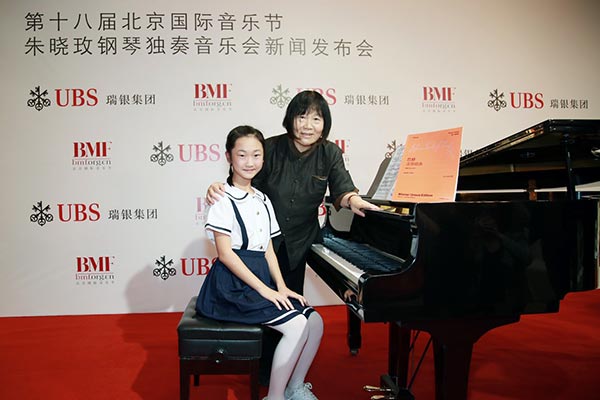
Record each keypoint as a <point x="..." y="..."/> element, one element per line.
<point x="299" y="167"/>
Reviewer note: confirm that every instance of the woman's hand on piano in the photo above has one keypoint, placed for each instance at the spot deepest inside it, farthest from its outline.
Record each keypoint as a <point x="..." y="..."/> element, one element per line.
<point x="357" y="205"/>
<point x="214" y="193"/>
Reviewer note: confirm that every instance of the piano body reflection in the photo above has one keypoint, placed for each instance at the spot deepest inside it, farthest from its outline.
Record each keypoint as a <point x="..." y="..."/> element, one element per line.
<point x="457" y="270"/>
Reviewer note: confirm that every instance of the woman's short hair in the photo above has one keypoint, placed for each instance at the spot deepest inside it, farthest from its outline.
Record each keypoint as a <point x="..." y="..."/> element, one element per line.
<point x="302" y="103"/>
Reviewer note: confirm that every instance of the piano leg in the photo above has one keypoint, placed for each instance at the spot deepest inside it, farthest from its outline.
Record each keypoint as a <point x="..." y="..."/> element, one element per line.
<point x="398" y="354"/>
<point x="452" y="363"/>
<point x="453" y="345"/>
<point x="354" y="332"/>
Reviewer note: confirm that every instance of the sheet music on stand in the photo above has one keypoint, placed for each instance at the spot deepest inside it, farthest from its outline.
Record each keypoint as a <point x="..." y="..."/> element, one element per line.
<point x="385" y="187"/>
<point x="425" y="169"/>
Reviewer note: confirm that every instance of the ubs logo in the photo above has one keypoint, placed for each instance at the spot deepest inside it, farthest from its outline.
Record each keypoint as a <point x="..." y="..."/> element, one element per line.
<point x="196" y="266"/>
<point x="281" y="97"/>
<point x="343" y="144"/>
<point x="323" y="213"/>
<point x="327" y="93"/>
<point x="71" y="212"/>
<point x="199" y="152"/>
<point x="497" y="101"/>
<point x="38" y="99"/>
<point x="41" y="214"/>
<point x="79" y="212"/>
<point x="162" y="154"/>
<point x="164" y="268"/>
<point x="518" y="100"/>
<point x="76" y="97"/>
<point x="193" y="152"/>
<point x="71" y="97"/>
<point x="526" y="100"/>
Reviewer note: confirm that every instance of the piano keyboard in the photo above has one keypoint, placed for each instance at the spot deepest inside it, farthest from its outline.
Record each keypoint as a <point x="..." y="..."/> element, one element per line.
<point x="350" y="271"/>
<point x="346" y="256"/>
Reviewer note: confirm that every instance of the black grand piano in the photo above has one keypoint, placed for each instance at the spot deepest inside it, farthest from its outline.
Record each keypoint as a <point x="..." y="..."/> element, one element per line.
<point x="456" y="270"/>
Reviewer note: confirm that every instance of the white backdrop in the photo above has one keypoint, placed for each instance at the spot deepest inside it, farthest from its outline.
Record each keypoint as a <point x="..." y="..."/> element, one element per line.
<point x="120" y="86"/>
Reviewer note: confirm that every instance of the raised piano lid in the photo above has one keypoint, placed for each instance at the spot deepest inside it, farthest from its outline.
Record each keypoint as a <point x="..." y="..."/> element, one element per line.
<point x="535" y="156"/>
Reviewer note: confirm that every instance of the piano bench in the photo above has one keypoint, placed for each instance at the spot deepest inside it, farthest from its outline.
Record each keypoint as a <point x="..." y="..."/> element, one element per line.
<point x="207" y="346"/>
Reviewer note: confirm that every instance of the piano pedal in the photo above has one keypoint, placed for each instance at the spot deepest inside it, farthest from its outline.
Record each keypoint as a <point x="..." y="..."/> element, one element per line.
<point x="384" y="392"/>
<point x="383" y="397"/>
<point x="388" y="393"/>
<point x="370" y="388"/>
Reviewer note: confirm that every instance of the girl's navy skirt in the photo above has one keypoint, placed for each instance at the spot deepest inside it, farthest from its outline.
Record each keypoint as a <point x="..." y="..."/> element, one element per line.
<point x="223" y="296"/>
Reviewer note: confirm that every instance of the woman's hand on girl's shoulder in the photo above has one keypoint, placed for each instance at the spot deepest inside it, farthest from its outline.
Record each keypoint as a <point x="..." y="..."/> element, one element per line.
<point x="214" y="193"/>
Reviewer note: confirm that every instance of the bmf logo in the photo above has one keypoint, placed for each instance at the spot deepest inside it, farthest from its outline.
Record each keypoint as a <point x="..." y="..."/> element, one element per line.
<point x="438" y="99"/>
<point x="211" y="91"/>
<point x="212" y="97"/>
<point x="91" y="149"/>
<point x="433" y="93"/>
<point x="91" y="155"/>
<point x="94" y="270"/>
<point x="200" y="215"/>
<point x="94" y="264"/>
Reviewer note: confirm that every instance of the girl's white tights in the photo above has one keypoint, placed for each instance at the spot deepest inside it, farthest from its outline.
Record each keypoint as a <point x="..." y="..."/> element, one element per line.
<point x="295" y="353"/>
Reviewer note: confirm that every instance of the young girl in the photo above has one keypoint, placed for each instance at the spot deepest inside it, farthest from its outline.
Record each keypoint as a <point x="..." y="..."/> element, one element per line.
<point x="245" y="284"/>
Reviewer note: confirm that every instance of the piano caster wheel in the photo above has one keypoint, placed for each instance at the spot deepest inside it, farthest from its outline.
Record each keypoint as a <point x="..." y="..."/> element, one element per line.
<point x="353" y="352"/>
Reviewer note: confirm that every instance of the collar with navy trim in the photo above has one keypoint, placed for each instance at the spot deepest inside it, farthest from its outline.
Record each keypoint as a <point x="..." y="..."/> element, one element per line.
<point x="239" y="195"/>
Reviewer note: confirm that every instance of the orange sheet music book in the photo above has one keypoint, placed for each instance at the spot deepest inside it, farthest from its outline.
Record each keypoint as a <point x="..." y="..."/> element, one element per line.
<point x="429" y="168"/>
